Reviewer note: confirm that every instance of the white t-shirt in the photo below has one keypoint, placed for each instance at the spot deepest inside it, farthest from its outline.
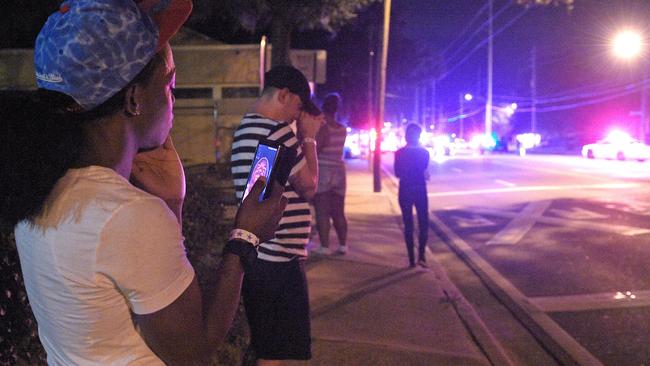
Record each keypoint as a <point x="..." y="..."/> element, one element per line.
<point x="100" y="250"/>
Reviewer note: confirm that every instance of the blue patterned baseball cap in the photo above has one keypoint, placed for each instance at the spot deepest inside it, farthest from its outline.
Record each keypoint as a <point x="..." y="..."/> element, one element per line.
<point x="91" y="49"/>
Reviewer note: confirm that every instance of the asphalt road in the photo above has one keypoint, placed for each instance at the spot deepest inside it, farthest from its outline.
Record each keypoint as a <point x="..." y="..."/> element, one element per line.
<point x="563" y="241"/>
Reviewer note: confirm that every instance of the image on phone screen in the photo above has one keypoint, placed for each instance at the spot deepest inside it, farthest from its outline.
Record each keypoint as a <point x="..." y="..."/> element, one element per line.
<point x="263" y="164"/>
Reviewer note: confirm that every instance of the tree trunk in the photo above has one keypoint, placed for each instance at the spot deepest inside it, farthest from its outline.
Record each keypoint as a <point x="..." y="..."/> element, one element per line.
<point x="281" y="29"/>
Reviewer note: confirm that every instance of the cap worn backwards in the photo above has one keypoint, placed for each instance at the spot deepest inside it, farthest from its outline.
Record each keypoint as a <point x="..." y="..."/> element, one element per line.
<point x="291" y="78"/>
<point x="91" y="49"/>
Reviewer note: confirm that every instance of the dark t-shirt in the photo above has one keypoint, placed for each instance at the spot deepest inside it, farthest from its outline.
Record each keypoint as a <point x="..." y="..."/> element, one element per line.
<point x="410" y="165"/>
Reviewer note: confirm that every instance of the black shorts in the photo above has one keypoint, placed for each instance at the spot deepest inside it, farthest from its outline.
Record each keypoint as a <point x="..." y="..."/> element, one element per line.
<point x="277" y="307"/>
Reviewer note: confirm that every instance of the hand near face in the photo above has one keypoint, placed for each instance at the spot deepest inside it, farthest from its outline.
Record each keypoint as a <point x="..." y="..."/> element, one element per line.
<point x="261" y="218"/>
<point x="160" y="172"/>
<point x="308" y="125"/>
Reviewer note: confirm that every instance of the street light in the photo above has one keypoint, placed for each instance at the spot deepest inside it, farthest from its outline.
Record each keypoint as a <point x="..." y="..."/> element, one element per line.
<point x="466" y="97"/>
<point x="628" y="45"/>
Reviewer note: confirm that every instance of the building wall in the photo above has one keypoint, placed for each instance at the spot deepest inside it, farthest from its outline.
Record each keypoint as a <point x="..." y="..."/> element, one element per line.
<point x="216" y="85"/>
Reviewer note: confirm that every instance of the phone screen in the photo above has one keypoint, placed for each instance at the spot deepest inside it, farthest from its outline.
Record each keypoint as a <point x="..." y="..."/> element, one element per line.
<point x="263" y="164"/>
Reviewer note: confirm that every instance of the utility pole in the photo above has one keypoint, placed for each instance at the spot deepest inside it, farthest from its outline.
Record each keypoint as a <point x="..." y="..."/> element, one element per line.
<point x="461" y="99"/>
<point x="371" y="98"/>
<point x="643" y="130"/>
<point x="416" y="112"/>
<point x="379" y="122"/>
<point x="488" y="103"/>
<point x="433" y="123"/>
<point x="533" y="89"/>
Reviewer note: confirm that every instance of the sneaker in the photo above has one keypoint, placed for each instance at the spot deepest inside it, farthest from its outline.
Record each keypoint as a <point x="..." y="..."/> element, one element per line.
<point x="323" y="250"/>
<point x="422" y="263"/>
<point x="343" y="249"/>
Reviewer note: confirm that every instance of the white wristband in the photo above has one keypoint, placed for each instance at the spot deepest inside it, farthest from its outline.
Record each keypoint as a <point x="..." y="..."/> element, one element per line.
<point x="308" y="140"/>
<point x="244" y="235"/>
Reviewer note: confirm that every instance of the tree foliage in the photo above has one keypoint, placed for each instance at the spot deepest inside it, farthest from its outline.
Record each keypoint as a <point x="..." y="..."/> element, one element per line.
<point x="281" y="18"/>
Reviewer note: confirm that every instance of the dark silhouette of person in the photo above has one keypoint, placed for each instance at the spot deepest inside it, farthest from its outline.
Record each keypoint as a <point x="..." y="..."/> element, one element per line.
<point x="411" y="167"/>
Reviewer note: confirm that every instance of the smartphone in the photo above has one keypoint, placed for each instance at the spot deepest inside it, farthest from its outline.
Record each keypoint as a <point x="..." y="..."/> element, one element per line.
<point x="273" y="161"/>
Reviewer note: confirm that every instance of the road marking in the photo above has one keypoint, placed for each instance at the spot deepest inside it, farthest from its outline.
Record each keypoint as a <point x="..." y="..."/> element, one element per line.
<point x="456" y="170"/>
<point x="500" y="284"/>
<point x="599" y="301"/>
<point x="521" y="225"/>
<point x="473" y="221"/>
<point x="608" y="228"/>
<point x="536" y="188"/>
<point x="577" y="213"/>
<point x="536" y="167"/>
<point x="633" y="208"/>
<point x="503" y="182"/>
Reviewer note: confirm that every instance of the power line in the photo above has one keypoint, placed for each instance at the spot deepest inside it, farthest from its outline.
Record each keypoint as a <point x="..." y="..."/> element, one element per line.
<point x="596" y="94"/>
<point x="478" y="30"/>
<point x="467" y="27"/>
<point x="638" y="87"/>
<point x="499" y="31"/>
<point x="599" y="87"/>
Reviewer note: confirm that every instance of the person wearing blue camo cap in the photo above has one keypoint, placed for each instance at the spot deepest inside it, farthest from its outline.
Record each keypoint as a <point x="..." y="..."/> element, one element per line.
<point x="94" y="190"/>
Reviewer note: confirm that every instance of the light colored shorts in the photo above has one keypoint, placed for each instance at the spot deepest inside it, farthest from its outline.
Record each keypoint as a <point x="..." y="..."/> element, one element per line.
<point x="332" y="179"/>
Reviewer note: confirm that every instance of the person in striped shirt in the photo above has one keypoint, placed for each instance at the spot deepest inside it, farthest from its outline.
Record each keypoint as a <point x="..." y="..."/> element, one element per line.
<point x="275" y="290"/>
<point x="330" y="195"/>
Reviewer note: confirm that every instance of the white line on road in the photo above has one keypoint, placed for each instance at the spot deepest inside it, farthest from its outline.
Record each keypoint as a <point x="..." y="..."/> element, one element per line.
<point x="605" y="300"/>
<point x="472" y="221"/>
<point x="536" y="188"/>
<point x="505" y="183"/>
<point x="563" y="339"/>
<point x="537" y="167"/>
<point x="608" y="228"/>
<point x="577" y="213"/>
<point x="456" y="170"/>
<point x="517" y="228"/>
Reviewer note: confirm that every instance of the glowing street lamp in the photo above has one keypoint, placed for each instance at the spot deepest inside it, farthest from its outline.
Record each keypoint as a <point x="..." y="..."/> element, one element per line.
<point x="627" y="45"/>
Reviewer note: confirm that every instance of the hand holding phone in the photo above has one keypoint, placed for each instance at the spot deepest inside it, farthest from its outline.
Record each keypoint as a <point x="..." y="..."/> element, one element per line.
<point x="272" y="161"/>
<point x="262" y="217"/>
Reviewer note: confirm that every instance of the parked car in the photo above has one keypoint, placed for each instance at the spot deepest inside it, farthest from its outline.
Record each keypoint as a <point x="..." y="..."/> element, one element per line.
<point x="619" y="146"/>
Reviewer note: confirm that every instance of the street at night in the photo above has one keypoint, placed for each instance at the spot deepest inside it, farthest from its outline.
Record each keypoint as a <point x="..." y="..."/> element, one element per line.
<point x="564" y="240"/>
<point x="133" y="132"/>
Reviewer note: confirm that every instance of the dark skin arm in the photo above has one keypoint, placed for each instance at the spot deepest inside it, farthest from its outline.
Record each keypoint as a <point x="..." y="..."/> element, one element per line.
<point x="184" y="333"/>
<point x="188" y="330"/>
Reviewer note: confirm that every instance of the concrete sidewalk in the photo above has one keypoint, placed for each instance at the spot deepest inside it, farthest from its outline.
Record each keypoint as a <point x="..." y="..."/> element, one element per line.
<point x="369" y="308"/>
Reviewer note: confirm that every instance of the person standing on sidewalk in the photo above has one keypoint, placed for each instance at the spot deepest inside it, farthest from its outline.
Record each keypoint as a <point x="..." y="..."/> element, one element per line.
<point x="275" y="291"/>
<point x="102" y="257"/>
<point x="329" y="201"/>
<point x="412" y="169"/>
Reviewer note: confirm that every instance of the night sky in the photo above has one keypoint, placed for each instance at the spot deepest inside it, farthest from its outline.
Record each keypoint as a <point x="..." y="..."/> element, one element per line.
<point x="574" y="64"/>
<point x="432" y="37"/>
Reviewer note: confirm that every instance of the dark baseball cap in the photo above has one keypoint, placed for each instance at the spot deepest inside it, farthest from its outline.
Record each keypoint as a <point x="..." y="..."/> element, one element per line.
<point x="291" y="78"/>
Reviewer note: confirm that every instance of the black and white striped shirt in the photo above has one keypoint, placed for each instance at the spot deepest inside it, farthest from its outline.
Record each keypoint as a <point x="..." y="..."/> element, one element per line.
<point x="292" y="234"/>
